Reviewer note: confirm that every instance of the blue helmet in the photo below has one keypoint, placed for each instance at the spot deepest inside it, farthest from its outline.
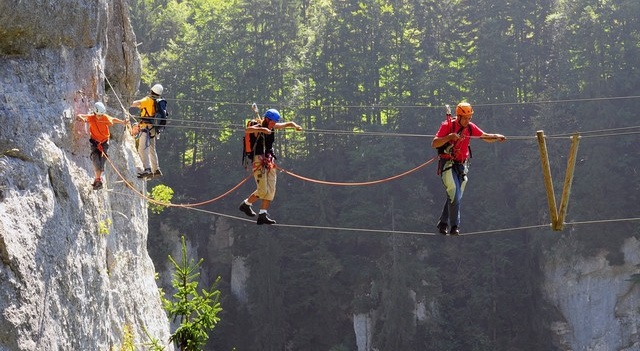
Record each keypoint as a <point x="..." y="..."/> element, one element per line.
<point x="273" y="115"/>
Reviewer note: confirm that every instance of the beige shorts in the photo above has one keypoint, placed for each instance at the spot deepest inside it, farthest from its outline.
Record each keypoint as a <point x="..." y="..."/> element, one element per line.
<point x="265" y="180"/>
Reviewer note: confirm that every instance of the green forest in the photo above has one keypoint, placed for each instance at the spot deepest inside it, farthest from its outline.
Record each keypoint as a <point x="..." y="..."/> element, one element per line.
<point x="368" y="81"/>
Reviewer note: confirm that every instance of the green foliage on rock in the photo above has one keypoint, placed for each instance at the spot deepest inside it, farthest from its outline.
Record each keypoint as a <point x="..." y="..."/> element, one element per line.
<point x="162" y="194"/>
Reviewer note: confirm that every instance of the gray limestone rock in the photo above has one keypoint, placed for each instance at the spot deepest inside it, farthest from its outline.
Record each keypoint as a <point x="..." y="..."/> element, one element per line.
<point x="74" y="269"/>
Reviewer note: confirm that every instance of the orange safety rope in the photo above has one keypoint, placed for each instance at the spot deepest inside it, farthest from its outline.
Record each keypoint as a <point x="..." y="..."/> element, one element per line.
<point x="169" y="204"/>
<point x="357" y="183"/>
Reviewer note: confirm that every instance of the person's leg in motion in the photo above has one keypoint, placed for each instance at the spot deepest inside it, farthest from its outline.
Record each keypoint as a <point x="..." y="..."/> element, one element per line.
<point x="153" y="157"/>
<point x="263" y="215"/>
<point x="143" y="151"/>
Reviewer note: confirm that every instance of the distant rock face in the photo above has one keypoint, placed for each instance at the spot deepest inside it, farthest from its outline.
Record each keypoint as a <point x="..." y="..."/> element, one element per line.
<point x="74" y="269"/>
<point x="363" y="328"/>
<point x="597" y="303"/>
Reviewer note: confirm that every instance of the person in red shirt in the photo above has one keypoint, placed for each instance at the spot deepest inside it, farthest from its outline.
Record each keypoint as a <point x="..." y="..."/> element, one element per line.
<point x="99" y="123"/>
<point x="452" y="141"/>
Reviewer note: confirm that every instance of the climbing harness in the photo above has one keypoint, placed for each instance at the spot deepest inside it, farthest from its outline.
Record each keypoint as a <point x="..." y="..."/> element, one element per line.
<point x="265" y="165"/>
<point x="98" y="145"/>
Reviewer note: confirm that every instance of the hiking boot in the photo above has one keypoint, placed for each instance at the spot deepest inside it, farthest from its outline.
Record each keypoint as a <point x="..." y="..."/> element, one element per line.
<point x="247" y="209"/>
<point x="145" y="174"/>
<point x="442" y="228"/>
<point x="157" y="173"/>
<point x="97" y="184"/>
<point x="454" y="230"/>
<point x="263" y="218"/>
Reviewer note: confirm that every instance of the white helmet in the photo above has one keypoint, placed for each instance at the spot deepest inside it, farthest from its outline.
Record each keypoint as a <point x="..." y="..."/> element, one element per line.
<point x="157" y="89"/>
<point x="100" y="108"/>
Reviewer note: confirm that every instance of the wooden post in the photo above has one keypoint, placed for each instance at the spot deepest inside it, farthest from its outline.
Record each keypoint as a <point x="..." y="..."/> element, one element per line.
<point x="568" y="180"/>
<point x="548" y="182"/>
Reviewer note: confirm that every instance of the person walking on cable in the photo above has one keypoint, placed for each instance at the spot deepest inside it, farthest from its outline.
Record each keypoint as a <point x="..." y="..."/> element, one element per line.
<point x="261" y="136"/>
<point x="452" y="142"/>
<point x="152" y="110"/>
<point x="99" y="123"/>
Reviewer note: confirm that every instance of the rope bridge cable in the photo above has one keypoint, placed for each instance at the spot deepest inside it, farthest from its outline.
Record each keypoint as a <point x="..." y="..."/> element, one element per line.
<point x="608" y="135"/>
<point x="301" y="226"/>
<point x="169" y="204"/>
<point x="353" y="229"/>
<point x="334" y="132"/>
<point x="383" y="231"/>
<point x="234" y="127"/>
<point x="603" y="221"/>
<point x="508" y="229"/>
<point x="240" y="128"/>
<point x="593" y="134"/>
<point x="598" y="133"/>
<point x="356" y="183"/>
<point x="196" y="124"/>
<point x="410" y="232"/>
<point x="378" y="106"/>
<point x="192" y="207"/>
<point x="608" y="130"/>
<point x="399" y="106"/>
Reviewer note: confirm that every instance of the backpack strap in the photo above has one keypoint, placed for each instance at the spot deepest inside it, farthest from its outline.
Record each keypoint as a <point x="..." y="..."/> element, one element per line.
<point x="470" y="131"/>
<point x="249" y="150"/>
<point x="445" y="149"/>
<point x="448" y="147"/>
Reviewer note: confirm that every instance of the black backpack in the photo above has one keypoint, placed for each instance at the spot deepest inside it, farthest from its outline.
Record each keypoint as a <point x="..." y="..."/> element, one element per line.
<point x="160" y="118"/>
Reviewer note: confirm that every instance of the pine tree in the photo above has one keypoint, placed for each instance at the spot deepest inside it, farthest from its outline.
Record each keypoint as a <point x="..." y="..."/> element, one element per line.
<point x="197" y="312"/>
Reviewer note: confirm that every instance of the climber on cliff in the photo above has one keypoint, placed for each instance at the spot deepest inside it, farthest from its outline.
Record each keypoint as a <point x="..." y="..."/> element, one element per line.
<point x="153" y="114"/>
<point x="99" y="123"/>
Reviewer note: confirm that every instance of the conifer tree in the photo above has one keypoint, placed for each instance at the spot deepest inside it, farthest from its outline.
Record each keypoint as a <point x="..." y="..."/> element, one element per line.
<point x="197" y="312"/>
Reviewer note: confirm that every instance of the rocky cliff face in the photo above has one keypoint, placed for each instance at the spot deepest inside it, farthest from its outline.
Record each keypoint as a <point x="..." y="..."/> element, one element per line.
<point x="74" y="269"/>
<point x="597" y="305"/>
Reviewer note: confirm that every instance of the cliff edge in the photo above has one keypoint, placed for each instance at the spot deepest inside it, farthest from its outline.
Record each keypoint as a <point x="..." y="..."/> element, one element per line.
<point x="74" y="269"/>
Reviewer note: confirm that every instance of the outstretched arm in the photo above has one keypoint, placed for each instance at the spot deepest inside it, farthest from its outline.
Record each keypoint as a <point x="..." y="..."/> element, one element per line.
<point x="492" y="138"/>
<point x="257" y="129"/>
<point x="287" y="125"/>
<point x="120" y="121"/>
<point x="82" y="117"/>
